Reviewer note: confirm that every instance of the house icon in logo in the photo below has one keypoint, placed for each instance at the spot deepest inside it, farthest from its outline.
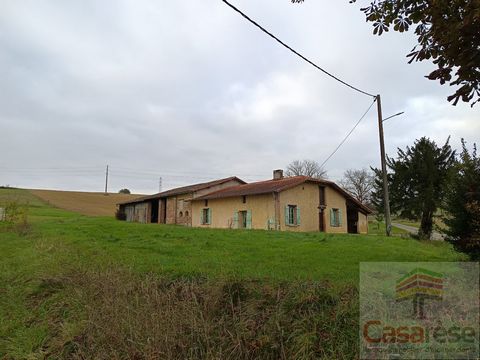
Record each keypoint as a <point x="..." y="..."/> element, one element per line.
<point x="418" y="285"/>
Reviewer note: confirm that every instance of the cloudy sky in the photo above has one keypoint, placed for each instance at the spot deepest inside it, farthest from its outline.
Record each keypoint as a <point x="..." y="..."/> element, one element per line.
<point x="189" y="91"/>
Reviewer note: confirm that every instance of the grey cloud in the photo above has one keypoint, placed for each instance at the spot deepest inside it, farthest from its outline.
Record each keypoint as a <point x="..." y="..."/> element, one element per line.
<point x="190" y="91"/>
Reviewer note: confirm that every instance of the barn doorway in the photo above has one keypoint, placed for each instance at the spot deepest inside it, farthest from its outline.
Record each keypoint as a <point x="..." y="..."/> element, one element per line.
<point x="352" y="219"/>
<point x="154" y="211"/>
<point x="162" y="218"/>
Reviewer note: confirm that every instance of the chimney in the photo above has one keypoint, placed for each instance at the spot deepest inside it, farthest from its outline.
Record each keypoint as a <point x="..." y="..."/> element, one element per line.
<point x="277" y="174"/>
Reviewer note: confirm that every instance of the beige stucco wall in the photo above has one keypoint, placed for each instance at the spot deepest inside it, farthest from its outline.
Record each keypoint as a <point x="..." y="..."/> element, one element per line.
<point x="305" y="197"/>
<point x="335" y="200"/>
<point x="261" y="207"/>
<point x="179" y="205"/>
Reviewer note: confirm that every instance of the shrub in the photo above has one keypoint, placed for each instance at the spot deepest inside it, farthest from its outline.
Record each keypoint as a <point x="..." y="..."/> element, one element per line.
<point x="15" y="214"/>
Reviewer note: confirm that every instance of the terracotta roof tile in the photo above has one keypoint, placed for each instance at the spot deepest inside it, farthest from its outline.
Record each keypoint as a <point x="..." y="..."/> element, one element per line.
<point x="182" y="190"/>
<point x="271" y="186"/>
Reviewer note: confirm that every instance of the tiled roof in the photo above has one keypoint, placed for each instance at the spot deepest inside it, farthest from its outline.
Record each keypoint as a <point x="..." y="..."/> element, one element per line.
<point x="182" y="190"/>
<point x="271" y="186"/>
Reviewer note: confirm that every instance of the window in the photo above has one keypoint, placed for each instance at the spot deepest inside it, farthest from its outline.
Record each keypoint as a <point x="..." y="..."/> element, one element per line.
<point x="292" y="215"/>
<point x="335" y="217"/>
<point x="180" y="214"/>
<point x="206" y="216"/>
<point x="244" y="199"/>
<point x="186" y="213"/>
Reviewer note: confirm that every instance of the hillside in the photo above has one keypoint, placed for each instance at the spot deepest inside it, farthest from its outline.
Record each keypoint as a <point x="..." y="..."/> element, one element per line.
<point x="82" y="287"/>
<point x="86" y="203"/>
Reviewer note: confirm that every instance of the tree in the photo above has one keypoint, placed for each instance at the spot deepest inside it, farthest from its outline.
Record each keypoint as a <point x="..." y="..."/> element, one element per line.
<point x="124" y="191"/>
<point x="359" y="183"/>
<point x="309" y="168"/>
<point x="376" y="196"/>
<point x="418" y="181"/>
<point x="463" y="204"/>
<point x="447" y="33"/>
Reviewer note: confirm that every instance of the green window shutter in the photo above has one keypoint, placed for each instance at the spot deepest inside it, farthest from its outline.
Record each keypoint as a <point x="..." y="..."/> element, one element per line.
<point x="235" y="220"/>
<point x="249" y="219"/>
<point x="209" y="216"/>
<point x="298" y="215"/>
<point x="287" y="222"/>
<point x="201" y="216"/>
<point x="339" y="217"/>
<point x="332" y="219"/>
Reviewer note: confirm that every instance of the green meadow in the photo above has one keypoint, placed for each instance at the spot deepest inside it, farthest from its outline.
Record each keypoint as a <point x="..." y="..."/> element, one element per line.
<point x="74" y="286"/>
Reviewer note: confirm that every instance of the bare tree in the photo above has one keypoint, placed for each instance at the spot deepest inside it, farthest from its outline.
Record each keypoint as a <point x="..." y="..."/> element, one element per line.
<point x="359" y="183"/>
<point x="309" y="168"/>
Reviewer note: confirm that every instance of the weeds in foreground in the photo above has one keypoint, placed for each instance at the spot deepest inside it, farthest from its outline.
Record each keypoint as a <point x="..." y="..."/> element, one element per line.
<point x="128" y="316"/>
<point x="15" y="215"/>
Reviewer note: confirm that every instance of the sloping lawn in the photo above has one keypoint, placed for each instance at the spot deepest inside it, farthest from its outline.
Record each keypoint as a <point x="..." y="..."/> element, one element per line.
<point x="43" y="267"/>
<point x="181" y="251"/>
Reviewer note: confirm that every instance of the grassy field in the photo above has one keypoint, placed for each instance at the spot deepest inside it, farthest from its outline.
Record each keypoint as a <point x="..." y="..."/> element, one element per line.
<point x="86" y="203"/>
<point x="74" y="286"/>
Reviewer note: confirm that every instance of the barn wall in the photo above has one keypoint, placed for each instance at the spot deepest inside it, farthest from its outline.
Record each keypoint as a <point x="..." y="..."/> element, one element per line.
<point x="184" y="209"/>
<point x="130" y="212"/>
<point x="362" y="223"/>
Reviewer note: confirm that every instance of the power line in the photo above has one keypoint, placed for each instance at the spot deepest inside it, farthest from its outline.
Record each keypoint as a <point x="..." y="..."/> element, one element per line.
<point x="294" y="51"/>
<point x="349" y="133"/>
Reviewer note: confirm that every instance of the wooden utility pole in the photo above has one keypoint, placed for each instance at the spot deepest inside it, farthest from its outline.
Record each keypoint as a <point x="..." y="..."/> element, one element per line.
<point x="106" y="181"/>
<point x="160" y="184"/>
<point x="386" y="197"/>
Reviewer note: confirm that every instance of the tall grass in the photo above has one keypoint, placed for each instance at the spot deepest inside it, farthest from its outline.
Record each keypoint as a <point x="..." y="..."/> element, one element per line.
<point x="128" y="316"/>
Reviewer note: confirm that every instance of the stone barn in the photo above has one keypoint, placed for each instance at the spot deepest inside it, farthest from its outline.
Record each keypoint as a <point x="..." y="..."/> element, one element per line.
<point x="172" y="206"/>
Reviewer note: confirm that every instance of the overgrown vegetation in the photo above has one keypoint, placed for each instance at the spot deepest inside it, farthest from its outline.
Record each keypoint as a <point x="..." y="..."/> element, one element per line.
<point x="149" y="317"/>
<point x="14" y="213"/>
<point x="89" y="287"/>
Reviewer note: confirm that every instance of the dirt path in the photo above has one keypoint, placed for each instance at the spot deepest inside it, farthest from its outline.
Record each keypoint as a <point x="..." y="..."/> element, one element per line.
<point x="413" y="230"/>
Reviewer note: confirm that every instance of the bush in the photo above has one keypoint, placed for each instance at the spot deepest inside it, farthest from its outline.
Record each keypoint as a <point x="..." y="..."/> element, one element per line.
<point x="15" y="214"/>
<point x="124" y="191"/>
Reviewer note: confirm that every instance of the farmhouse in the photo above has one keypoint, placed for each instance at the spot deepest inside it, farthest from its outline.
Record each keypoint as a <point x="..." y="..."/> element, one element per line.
<point x="172" y="206"/>
<point x="296" y="203"/>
